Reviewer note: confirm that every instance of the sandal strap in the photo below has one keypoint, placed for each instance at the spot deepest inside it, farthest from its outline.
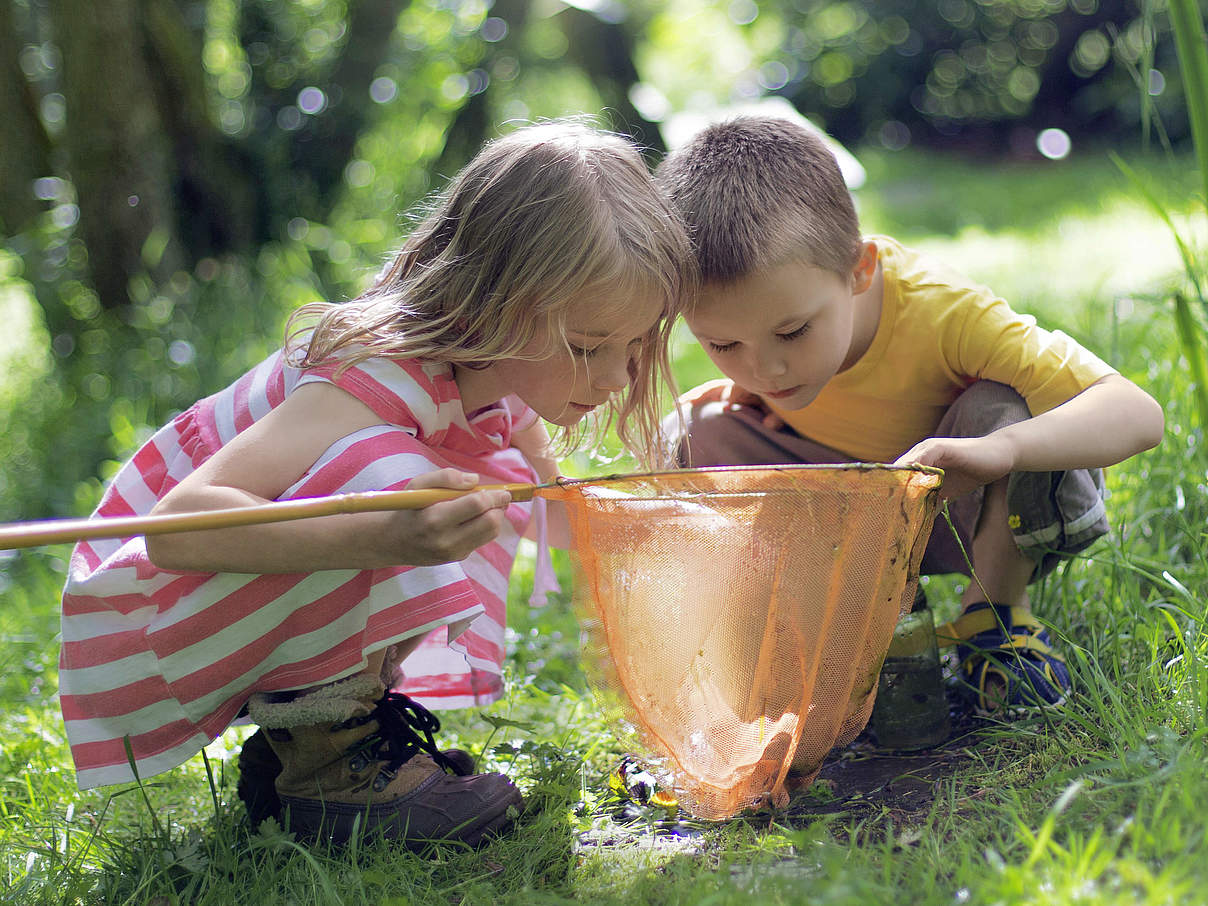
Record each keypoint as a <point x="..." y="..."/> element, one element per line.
<point x="1016" y="643"/>
<point x="991" y="617"/>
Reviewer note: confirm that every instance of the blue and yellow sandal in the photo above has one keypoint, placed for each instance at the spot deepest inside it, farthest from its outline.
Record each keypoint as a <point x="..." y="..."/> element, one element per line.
<point x="1006" y="658"/>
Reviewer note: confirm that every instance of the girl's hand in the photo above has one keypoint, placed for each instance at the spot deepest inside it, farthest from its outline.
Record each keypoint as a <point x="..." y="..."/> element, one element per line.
<point x="968" y="462"/>
<point x="447" y="531"/>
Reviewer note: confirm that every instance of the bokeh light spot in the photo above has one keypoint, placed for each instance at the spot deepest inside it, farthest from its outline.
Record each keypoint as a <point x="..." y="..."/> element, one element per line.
<point x="49" y="187"/>
<point x="1054" y="143"/>
<point x="383" y="90"/>
<point x="311" y="100"/>
<point x="455" y="87"/>
<point x="493" y="29"/>
<point x="773" y="75"/>
<point x="297" y="228"/>
<point x="359" y="173"/>
<point x="894" y="135"/>
<point x="289" y="118"/>
<point x="650" y="102"/>
<point x="65" y="215"/>
<point x="743" y="12"/>
<point x="181" y="352"/>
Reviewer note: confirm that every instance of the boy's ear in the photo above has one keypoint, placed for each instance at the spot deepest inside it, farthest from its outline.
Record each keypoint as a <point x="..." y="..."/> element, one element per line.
<point x="866" y="267"/>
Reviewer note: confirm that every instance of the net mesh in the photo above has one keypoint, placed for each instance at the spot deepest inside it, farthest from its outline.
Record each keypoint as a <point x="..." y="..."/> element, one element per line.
<point x="739" y="615"/>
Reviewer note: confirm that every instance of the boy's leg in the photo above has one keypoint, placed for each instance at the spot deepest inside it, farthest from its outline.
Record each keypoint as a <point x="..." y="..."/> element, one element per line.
<point x="1014" y="531"/>
<point x="716" y="434"/>
<point x="1047" y="516"/>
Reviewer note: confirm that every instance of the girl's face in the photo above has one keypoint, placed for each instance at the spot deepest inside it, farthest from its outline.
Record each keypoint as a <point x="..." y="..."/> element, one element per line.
<point x="567" y="378"/>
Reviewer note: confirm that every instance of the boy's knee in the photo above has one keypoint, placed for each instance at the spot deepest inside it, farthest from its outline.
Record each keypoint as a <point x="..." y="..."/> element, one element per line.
<point x="983" y="407"/>
<point x="708" y="436"/>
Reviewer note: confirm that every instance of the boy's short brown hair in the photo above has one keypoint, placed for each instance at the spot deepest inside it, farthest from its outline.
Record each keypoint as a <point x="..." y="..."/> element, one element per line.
<point x="757" y="191"/>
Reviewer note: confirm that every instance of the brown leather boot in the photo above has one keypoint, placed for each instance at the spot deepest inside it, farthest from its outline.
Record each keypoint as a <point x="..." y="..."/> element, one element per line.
<point x="259" y="767"/>
<point x="354" y="763"/>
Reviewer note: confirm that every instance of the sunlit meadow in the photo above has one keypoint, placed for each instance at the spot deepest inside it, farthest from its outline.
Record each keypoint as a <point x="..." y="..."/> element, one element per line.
<point x="1100" y="803"/>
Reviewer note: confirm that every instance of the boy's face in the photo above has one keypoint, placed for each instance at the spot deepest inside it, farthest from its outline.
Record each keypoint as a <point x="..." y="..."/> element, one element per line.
<point x="781" y="332"/>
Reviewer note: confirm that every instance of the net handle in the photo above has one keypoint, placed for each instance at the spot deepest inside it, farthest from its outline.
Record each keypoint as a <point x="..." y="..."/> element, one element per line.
<point x="19" y="535"/>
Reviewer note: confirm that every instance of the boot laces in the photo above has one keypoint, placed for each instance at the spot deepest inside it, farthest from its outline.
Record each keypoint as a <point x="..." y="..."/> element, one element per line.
<point x="405" y="727"/>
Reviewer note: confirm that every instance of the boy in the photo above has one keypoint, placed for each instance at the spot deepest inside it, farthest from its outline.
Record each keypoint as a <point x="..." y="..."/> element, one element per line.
<point x="841" y="347"/>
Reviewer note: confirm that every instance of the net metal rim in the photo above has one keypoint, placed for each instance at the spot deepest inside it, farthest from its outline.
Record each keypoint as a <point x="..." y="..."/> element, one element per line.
<point x="785" y="468"/>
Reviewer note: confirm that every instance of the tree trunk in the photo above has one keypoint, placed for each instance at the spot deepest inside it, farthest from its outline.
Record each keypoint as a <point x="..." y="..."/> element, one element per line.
<point x="217" y="186"/>
<point x="605" y="52"/>
<point x="118" y="154"/>
<point x="470" y="127"/>
<point x="25" y="150"/>
<point x="324" y="146"/>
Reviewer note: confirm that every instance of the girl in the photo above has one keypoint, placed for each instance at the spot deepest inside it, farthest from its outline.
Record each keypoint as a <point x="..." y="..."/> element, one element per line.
<point x="542" y="285"/>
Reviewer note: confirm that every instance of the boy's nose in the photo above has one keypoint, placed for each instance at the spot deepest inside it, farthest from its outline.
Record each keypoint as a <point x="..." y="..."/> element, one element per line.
<point x="768" y="367"/>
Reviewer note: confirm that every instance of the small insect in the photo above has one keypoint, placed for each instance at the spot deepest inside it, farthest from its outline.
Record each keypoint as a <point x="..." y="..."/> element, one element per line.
<point x="633" y="782"/>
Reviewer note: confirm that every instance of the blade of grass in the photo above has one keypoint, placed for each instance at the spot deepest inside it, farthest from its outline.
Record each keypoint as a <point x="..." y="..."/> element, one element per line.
<point x="1191" y="45"/>
<point x="1191" y="338"/>
<point x="139" y="782"/>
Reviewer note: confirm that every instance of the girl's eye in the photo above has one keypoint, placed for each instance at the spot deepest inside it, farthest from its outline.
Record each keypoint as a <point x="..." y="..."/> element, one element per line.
<point x="581" y="352"/>
<point x="794" y="334"/>
<point x="722" y="347"/>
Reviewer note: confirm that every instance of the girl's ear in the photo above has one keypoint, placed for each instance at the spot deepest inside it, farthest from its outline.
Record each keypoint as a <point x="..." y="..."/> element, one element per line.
<point x="865" y="269"/>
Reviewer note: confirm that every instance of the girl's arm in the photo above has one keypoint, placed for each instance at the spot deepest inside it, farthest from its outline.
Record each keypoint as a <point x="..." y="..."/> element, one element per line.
<point x="534" y="443"/>
<point x="1106" y="423"/>
<point x="259" y="464"/>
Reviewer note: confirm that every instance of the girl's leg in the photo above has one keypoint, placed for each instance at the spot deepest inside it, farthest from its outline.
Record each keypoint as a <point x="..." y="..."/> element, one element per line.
<point x="349" y="758"/>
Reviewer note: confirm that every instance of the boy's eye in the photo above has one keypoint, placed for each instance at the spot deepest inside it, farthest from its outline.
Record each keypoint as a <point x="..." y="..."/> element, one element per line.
<point x="794" y="334"/>
<point x="722" y="347"/>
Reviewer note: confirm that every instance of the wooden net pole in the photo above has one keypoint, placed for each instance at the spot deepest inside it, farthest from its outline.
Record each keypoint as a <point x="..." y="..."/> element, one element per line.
<point x="58" y="531"/>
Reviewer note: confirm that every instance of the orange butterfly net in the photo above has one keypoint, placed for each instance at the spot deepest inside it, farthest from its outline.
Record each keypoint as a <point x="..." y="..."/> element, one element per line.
<point x="740" y="615"/>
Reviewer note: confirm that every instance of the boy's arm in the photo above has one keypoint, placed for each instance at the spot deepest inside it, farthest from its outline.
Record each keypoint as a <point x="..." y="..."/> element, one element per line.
<point x="1107" y="423"/>
<point x="260" y="463"/>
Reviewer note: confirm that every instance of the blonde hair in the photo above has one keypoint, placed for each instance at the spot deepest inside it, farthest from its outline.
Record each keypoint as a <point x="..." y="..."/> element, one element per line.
<point x="756" y="192"/>
<point x="537" y="219"/>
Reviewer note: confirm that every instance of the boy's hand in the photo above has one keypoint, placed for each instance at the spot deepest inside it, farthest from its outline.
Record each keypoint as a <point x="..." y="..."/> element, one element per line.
<point x="732" y="396"/>
<point x="968" y="462"/>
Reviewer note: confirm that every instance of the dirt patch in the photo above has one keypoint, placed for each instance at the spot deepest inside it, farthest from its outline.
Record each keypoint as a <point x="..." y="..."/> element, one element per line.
<point x="858" y="780"/>
<point x="862" y="777"/>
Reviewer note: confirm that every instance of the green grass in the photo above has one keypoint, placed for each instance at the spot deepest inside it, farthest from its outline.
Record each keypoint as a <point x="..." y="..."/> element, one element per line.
<point x="1101" y="803"/>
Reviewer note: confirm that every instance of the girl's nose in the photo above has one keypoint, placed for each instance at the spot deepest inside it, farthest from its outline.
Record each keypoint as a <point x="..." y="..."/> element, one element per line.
<point x="611" y="372"/>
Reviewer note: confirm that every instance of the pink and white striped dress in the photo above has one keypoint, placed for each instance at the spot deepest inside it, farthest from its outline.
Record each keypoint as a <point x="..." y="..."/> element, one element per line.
<point x="167" y="659"/>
